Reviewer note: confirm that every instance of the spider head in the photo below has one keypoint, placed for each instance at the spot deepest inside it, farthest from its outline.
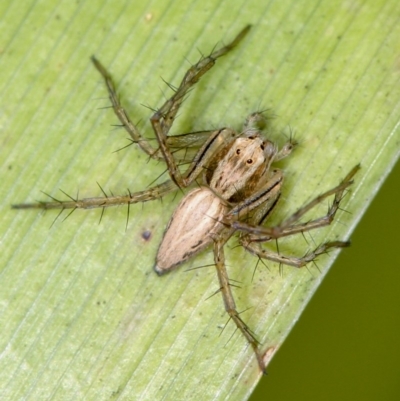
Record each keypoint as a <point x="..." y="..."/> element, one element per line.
<point x="248" y="157"/>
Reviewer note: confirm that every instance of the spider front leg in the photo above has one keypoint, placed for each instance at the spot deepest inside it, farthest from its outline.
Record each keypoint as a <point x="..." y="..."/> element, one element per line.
<point x="122" y="115"/>
<point x="163" y="118"/>
<point x="176" y="143"/>
<point x="229" y="302"/>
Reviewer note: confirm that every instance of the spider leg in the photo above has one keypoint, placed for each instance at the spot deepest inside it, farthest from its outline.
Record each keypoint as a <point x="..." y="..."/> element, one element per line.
<point x="289" y="226"/>
<point x="122" y="115"/>
<point x="255" y="234"/>
<point x="155" y="192"/>
<point x="258" y="120"/>
<point x="190" y="140"/>
<point x="185" y="146"/>
<point x="256" y="249"/>
<point x="229" y="301"/>
<point x="163" y="118"/>
<point x="258" y="206"/>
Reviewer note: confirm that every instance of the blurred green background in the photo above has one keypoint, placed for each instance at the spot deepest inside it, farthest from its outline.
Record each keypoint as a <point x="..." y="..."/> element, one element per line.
<point x="346" y="344"/>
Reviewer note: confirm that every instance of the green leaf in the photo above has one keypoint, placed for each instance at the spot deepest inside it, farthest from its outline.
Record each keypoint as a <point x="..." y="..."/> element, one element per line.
<point x="83" y="316"/>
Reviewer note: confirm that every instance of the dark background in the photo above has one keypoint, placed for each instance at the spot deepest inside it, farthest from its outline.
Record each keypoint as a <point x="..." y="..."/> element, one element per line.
<point x="346" y="345"/>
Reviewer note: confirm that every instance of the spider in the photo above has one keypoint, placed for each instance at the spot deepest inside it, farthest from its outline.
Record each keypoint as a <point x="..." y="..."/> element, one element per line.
<point x="237" y="189"/>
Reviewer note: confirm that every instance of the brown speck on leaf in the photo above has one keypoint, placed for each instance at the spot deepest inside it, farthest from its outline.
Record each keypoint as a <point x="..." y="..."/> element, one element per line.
<point x="146" y="235"/>
<point x="268" y="354"/>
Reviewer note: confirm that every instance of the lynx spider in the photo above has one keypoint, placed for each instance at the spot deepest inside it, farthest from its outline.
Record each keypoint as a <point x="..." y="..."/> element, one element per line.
<point x="238" y="190"/>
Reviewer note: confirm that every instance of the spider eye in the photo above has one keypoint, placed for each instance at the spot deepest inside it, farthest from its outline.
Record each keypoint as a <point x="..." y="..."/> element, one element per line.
<point x="262" y="146"/>
<point x="238" y="151"/>
<point x="249" y="161"/>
